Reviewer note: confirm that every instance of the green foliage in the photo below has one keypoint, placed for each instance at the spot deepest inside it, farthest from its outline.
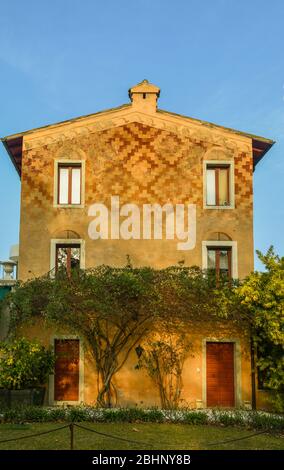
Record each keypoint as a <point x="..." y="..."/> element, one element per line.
<point x="24" y="364"/>
<point x="262" y="295"/>
<point x="11" y="415"/>
<point x="227" y="418"/>
<point x="153" y="416"/>
<point x="131" y="415"/>
<point x="114" y="309"/>
<point x="195" y="417"/>
<point x="267" y="421"/>
<point x="241" y="418"/>
<point x="110" y="308"/>
<point x="276" y="399"/>
<point x="33" y="414"/>
<point x="77" y="413"/>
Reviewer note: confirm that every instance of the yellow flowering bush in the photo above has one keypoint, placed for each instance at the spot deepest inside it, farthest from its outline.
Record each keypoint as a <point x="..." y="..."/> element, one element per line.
<point x="262" y="294"/>
<point x="24" y="364"/>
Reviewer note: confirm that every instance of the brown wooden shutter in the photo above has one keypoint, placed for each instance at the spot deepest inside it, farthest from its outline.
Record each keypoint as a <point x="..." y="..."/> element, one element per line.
<point x="220" y="374"/>
<point x="66" y="379"/>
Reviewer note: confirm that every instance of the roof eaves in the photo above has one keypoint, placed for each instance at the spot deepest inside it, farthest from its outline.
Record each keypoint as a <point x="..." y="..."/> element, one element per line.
<point x="11" y="156"/>
<point x="218" y="126"/>
<point x="61" y="123"/>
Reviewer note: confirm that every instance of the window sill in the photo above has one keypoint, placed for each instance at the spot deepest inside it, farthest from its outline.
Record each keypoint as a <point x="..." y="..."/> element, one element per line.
<point x="69" y="206"/>
<point x="66" y="402"/>
<point x="218" y="207"/>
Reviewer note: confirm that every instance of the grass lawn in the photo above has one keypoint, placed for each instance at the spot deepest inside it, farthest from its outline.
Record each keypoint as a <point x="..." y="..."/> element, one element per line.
<point x="151" y="436"/>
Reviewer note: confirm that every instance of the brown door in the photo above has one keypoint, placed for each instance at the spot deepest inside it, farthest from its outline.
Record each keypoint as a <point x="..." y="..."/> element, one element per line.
<point x="66" y="379"/>
<point x="220" y="374"/>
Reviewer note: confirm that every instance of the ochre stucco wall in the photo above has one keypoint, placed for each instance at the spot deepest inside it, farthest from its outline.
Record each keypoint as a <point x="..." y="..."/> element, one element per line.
<point x="135" y="388"/>
<point x="142" y="158"/>
<point x="140" y="164"/>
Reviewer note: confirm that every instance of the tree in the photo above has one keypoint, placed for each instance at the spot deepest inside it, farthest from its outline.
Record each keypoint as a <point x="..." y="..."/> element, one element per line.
<point x="24" y="364"/>
<point x="114" y="309"/>
<point x="110" y="308"/>
<point x="162" y="354"/>
<point x="262" y="296"/>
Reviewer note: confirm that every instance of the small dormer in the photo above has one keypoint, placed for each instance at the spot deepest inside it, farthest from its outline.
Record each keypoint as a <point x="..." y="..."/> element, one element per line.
<point x="144" y="96"/>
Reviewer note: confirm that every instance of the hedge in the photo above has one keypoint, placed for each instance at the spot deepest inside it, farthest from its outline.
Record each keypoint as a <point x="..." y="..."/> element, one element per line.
<point x="249" y="419"/>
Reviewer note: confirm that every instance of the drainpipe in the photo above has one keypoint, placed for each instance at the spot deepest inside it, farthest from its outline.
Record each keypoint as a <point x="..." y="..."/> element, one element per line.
<point x="253" y="388"/>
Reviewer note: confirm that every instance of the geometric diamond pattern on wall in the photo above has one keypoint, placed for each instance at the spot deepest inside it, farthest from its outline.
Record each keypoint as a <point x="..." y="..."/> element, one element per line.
<point x="140" y="163"/>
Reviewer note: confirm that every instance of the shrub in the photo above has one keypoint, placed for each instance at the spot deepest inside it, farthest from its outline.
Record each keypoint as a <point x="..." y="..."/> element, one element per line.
<point x="277" y="401"/>
<point x="262" y="420"/>
<point x="12" y="415"/>
<point x="35" y="414"/>
<point x="24" y="364"/>
<point x="195" y="417"/>
<point x="57" y="414"/>
<point x="138" y="414"/>
<point x="249" y="419"/>
<point x="227" y="418"/>
<point x="154" y="416"/>
<point x="78" y="414"/>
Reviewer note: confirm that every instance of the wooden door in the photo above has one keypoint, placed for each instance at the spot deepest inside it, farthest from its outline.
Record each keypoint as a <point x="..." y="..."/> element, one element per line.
<point x="66" y="377"/>
<point x="220" y="374"/>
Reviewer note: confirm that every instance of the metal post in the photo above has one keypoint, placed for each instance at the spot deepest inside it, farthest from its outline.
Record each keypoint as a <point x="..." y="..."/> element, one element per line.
<point x="253" y="388"/>
<point x="71" y="427"/>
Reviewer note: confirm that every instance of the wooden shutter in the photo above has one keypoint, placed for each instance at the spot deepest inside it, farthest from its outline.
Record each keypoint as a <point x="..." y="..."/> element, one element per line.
<point x="66" y="378"/>
<point x="220" y="374"/>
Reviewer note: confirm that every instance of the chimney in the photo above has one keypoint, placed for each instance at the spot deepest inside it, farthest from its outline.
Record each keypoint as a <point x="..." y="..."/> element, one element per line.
<point x="144" y="97"/>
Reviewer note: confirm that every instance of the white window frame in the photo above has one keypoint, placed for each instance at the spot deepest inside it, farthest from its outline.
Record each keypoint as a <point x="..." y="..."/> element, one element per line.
<point x="225" y="243"/>
<point x="57" y="163"/>
<point x="66" y="241"/>
<point x="229" y="163"/>
<point x="81" y="373"/>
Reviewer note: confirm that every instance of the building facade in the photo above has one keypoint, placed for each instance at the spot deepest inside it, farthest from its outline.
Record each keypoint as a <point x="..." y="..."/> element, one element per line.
<point x="161" y="163"/>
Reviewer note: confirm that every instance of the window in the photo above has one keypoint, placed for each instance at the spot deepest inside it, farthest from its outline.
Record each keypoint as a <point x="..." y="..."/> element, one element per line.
<point x="67" y="257"/>
<point x="69" y="184"/>
<point x="221" y="255"/>
<point x="218" y="185"/>
<point x="219" y="259"/>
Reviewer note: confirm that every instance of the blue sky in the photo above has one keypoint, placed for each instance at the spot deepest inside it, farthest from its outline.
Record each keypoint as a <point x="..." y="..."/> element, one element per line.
<point x="220" y="61"/>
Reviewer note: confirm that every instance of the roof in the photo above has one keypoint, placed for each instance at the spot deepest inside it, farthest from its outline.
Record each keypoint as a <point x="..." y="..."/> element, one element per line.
<point x="260" y="145"/>
<point x="14" y="143"/>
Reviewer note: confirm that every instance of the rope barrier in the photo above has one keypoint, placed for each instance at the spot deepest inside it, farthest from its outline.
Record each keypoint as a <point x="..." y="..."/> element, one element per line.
<point x="236" y="439"/>
<point x="112" y="436"/>
<point x="34" y="435"/>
